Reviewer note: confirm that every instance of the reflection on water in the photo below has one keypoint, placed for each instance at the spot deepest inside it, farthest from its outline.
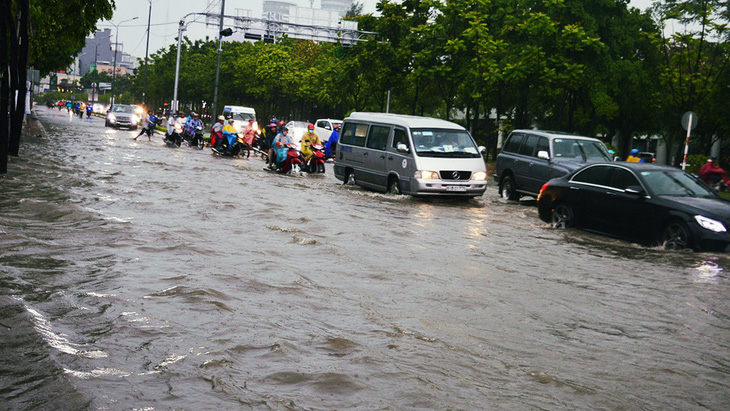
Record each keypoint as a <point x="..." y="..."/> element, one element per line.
<point x="170" y="278"/>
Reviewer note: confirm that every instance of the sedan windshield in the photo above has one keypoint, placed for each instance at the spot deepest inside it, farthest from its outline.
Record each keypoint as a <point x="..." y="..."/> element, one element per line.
<point x="675" y="183"/>
<point x="580" y="150"/>
<point x="122" y="109"/>
<point x="443" y="143"/>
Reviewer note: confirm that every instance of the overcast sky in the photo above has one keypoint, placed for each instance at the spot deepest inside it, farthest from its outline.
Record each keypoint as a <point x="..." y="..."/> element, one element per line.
<point x="167" y="13"/>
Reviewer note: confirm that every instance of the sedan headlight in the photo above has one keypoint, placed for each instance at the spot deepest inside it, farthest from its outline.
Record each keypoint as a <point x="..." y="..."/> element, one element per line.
<point x="710" y="224"/>
<point x="479" y="176"/>
<point x="112" y="118"/>
<point x="427" y="175"/>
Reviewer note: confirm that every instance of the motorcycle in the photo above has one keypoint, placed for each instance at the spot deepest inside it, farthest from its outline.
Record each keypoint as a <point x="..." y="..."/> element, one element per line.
<point x="260" y="147"/>
<point x="227" y="150"/>
<point x="316" y="161"/>
<point x="196" y="140"/>
<point x="292" y="163"/>
<point x="175" y="138"/>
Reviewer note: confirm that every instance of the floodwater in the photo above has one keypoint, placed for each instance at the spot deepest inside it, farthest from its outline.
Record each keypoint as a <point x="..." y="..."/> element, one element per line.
<point x="135" y="276"/>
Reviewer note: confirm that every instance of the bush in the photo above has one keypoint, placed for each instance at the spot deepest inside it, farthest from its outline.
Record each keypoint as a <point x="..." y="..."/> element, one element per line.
<point x="695" y="162"/>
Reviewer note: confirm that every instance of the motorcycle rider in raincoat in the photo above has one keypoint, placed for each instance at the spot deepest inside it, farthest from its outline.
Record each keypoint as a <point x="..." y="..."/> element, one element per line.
<point x="229" y="133"/>
<point x="279" y="146"/>
<point x="310" y="138"/>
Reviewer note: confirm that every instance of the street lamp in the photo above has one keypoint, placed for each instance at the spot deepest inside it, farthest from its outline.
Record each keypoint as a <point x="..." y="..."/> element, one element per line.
<point x="116" y="48"/>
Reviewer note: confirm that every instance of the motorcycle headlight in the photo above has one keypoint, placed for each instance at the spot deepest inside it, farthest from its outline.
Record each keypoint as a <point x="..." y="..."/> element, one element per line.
<point x="479" y="176"/>
<point x="426" y="175"/>
<point x="710" y="224"/>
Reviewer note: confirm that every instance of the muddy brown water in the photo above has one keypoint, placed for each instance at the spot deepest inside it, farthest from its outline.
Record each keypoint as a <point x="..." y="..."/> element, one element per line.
<point x="134" y="276"/>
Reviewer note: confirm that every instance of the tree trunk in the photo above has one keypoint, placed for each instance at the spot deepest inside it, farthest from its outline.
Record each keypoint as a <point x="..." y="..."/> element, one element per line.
<point x="19" y="88"/>
<point x="4" y="84"/>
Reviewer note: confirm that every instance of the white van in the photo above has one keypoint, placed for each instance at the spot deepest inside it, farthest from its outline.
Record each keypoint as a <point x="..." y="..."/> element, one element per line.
<point x="410" y="155"/>
<point x="325" y="126"/>
<point x="240" y="115"/>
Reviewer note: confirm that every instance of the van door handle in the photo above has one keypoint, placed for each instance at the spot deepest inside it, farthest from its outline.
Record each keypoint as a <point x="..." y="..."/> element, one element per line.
<point x="382" y="156"/>
<point x="390" y="157"/>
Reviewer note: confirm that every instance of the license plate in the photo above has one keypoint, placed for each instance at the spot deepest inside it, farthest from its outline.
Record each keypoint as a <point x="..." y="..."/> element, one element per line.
<point x="456" y="188"/>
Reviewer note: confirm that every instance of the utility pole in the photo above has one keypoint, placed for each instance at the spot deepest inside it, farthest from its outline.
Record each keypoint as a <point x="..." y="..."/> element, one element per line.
<point x="146" y="54"/>
<point x="218" y="66"/>
<point x="116" y="48"/>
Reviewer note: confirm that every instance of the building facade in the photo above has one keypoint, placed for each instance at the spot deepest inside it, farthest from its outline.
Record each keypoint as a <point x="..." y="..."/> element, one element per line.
<point x="99" y="50"/>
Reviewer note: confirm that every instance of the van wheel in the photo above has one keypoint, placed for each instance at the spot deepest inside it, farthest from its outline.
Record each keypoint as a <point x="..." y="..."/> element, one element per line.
<point x="394" y="186"/>
<point x="349" y="178"/>
<point x="508" y="189"/>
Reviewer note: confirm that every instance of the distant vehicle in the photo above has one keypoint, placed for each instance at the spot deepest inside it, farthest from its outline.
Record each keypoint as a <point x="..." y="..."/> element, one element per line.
<point x="122" y="115"/>
<point x="529" y="158"/>
<point x="647" y="157"/>
<point x="99" y="108"/>
<point x="324" y="127"/>
<point x="643" y="202"/>
<point x="297" y="129"/>
<point x="240" y="116"/>
<point x="413" y="155"/>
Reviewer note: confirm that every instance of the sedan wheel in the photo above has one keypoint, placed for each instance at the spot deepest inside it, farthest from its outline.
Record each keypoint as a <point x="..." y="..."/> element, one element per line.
<point x="676" y="236"/>
<point x="563" y="216"/>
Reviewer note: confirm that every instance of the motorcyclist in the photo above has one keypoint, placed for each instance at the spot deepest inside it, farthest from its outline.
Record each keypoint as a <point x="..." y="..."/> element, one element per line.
<point x="270" y="133"/>
<point x="279" y="146"/>
<point x="712" y="174"/>
<point x="171" y="120"/>
<point x="249" y="134"/>
<point x="229" y="134"/>
<point x="281" y="127"/>
<point x="191" y="123"/>
<point x="216" y="132"/>
<point x="309" y="139"/>
<point x="89" y="109"/>
<point x="331" y="145"/>
<point x="634" y="157"/>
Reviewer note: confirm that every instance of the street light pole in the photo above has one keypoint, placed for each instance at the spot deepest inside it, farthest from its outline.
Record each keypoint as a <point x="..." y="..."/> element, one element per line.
<point x="146" y="54"/>
<point x="218" y="66"/>
<point x="180" y="30"/>
<point x="116" y="49"/>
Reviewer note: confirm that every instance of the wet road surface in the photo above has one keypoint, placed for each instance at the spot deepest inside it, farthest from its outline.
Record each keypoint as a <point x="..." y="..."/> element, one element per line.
<point x="135" y="276"/>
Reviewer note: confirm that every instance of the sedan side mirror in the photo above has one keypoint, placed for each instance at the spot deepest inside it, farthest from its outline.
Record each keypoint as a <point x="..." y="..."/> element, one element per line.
<point x="543" y="155"/>
<point x="637" y="190"/>
<point x="402" y="148"/>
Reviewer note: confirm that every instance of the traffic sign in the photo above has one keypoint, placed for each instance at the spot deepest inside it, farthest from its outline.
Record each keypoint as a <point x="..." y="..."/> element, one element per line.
<point x="687" y="117"/>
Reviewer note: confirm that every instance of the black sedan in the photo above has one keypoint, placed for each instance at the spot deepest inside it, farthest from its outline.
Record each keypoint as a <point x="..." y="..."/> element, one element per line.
<point x="651" y="204"/>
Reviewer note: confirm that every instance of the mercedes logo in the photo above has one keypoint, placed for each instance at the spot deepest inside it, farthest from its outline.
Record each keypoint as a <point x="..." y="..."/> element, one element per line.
<point x="455" y="175"/>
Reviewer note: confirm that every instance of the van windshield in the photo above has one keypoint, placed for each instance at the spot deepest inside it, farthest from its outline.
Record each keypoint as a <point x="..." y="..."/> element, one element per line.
<point x="242" y="116"/>
<point x="443" y="143"/>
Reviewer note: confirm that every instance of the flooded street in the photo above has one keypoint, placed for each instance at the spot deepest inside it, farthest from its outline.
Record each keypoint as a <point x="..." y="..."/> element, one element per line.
<point x="135" y="276"/>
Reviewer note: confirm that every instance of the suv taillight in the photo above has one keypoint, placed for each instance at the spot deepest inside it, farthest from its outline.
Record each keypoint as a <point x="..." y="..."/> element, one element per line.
<point x="544" y="186"/>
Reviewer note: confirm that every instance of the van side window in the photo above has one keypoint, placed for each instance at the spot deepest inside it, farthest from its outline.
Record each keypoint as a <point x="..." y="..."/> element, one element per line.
<point x="400" y="137"/>
<point x="528" y="147"/>
<point x="378" y="137"/>
<point x="354" y="134"/>
<point x="513" y="144"/>
<point x="542" y="145"/>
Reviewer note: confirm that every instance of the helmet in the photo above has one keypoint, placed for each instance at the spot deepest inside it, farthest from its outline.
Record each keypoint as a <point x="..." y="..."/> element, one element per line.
<point x="635" y="151"/>
<point x="281" y="123"/>
<point x="250" y="120"/>
<point x="195" y="114"/>
<point x="272" y="125"/>
<point x="310" y="127"/>
<point x="284" y="129"/>
<point x="221" y="118"/>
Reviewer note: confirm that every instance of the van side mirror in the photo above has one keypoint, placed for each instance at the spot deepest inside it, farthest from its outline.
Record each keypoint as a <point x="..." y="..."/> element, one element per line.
<point x="402" y="148"/>
<point x="543" y="155"/>
<point x="482" y="151"/>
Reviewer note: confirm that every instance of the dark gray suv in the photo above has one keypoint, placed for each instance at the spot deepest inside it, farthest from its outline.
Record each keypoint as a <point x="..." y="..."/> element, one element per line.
<point x="529" y="158"/>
